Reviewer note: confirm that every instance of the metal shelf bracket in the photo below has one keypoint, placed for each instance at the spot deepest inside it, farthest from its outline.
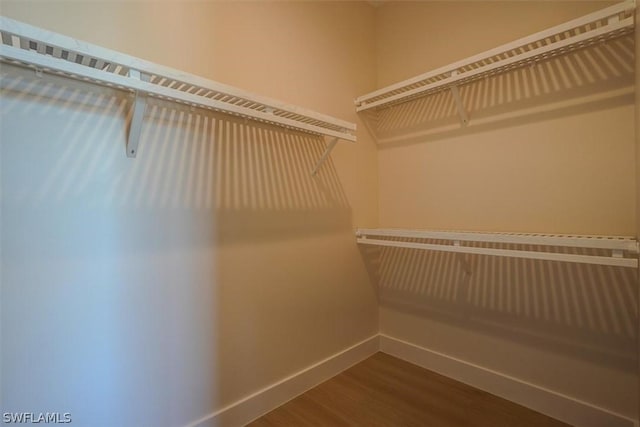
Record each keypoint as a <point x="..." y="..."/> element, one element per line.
<point x="464" y="264"/>
<point x="464" y="119"/>
<point x="135" y="126"/>
<point x="324" y="156"/>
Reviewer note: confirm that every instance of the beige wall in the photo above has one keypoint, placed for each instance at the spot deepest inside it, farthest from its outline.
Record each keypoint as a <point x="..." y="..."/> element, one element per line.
<point x="206" y="269"/>
<point x="549" y="149"/>
<point x="155" y="291"/>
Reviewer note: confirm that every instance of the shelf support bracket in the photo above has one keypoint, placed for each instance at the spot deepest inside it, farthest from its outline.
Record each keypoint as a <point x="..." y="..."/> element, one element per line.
<point x="464" y="119"/>
<point x="135" y="127"/>
<point x="326" y="153"/>
<point x="464" y="264"/>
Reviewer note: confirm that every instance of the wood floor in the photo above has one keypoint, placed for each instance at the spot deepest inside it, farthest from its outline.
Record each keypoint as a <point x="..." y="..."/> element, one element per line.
<point x="386" y="391"/>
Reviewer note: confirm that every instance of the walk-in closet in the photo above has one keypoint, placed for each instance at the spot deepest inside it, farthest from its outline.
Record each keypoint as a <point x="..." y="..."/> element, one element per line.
<point x="319" y="213"/>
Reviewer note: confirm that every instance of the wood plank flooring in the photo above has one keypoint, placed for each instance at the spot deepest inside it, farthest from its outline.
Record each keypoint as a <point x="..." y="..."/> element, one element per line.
<point x="386" y="391"/>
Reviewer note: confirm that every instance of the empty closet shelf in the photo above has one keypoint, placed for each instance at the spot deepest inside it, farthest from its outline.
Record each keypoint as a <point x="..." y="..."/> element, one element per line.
<point x="608" y="23"/>
<point x="48" y="52"/>
<point x="602" y="250"/>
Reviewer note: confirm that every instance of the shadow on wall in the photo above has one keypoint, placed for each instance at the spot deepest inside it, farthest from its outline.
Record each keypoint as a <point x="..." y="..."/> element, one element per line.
<point x="597" y="77"/>
<point x="255" y="178"/>
<point x="585" y="311"/>
<point x="114" y="270"/>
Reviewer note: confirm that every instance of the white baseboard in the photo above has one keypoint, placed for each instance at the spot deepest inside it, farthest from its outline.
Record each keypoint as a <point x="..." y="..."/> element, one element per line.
<point x="562" y="407"/>
<point x="259" y="403"/>
<point x="548" y="402"/>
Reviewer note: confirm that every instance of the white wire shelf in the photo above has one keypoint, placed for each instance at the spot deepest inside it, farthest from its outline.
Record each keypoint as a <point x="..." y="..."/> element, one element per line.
<point x="623" y="251"/>
<point x="608" y="23"/>
<point x="50" y="52"/>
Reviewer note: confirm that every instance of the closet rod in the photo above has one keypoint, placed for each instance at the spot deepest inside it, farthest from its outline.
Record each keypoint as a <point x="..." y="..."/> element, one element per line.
<point x="49" y="52"/>
<point x="608" y="23"/>
<point x="619" y="246"/>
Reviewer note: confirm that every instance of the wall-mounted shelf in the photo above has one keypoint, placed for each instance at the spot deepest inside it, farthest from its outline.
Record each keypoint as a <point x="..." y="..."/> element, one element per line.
<point x="622" y="251"/>
<point x="49" y="52"/>
<point x="608" y="23"/>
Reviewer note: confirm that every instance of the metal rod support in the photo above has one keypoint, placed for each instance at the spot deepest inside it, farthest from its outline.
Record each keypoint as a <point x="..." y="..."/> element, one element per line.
<point x="464" y="119"/>
<point x="462" y="261"/>
<point x="324" y="156"/>
<point x="135" y="126"/>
